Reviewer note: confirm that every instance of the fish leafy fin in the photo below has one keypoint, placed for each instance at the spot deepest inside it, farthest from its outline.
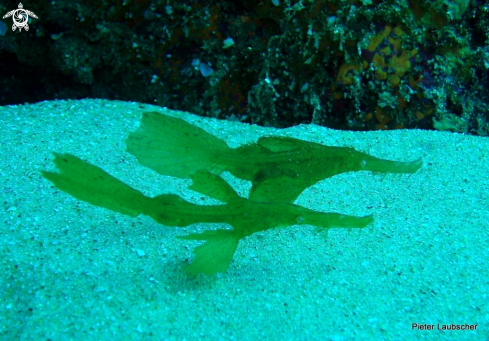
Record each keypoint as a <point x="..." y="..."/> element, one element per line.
<point x="89" y="183"/>
<point x="213" y="186"/>
<point x="215" y="254"/>
<point x="172" y="146"/>
<point x="280" y="189"/>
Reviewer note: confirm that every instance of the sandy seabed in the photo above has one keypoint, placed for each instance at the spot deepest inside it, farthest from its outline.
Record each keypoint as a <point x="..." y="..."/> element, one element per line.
<point x="72" y="271"/>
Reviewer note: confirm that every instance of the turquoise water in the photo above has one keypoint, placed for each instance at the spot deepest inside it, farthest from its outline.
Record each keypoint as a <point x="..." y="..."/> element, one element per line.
<point x="75" y="271"/>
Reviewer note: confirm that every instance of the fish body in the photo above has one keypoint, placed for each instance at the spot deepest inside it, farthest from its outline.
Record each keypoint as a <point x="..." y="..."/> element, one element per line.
<point x="91" y="184"/>
<point x="280" y="168"/>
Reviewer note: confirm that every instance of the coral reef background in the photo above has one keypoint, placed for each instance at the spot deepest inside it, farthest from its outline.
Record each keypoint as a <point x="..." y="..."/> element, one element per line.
<point x="345" y="64"/>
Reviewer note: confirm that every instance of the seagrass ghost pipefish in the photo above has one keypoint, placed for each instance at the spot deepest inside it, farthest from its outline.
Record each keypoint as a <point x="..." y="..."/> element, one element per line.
<point x="93" y="185"/>
<point x="280" y="168"/>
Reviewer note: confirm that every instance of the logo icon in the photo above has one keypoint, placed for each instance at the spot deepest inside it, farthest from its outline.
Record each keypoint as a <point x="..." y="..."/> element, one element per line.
<point x="20" y="17"/>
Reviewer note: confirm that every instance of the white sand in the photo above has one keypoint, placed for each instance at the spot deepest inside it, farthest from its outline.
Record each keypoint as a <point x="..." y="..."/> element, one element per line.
<point x="72" y="271"/>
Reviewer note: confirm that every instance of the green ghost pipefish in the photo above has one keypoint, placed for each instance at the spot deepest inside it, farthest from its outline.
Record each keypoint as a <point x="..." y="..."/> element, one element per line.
<point x="280" y="168"/>
<point x="89" y="183"/>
